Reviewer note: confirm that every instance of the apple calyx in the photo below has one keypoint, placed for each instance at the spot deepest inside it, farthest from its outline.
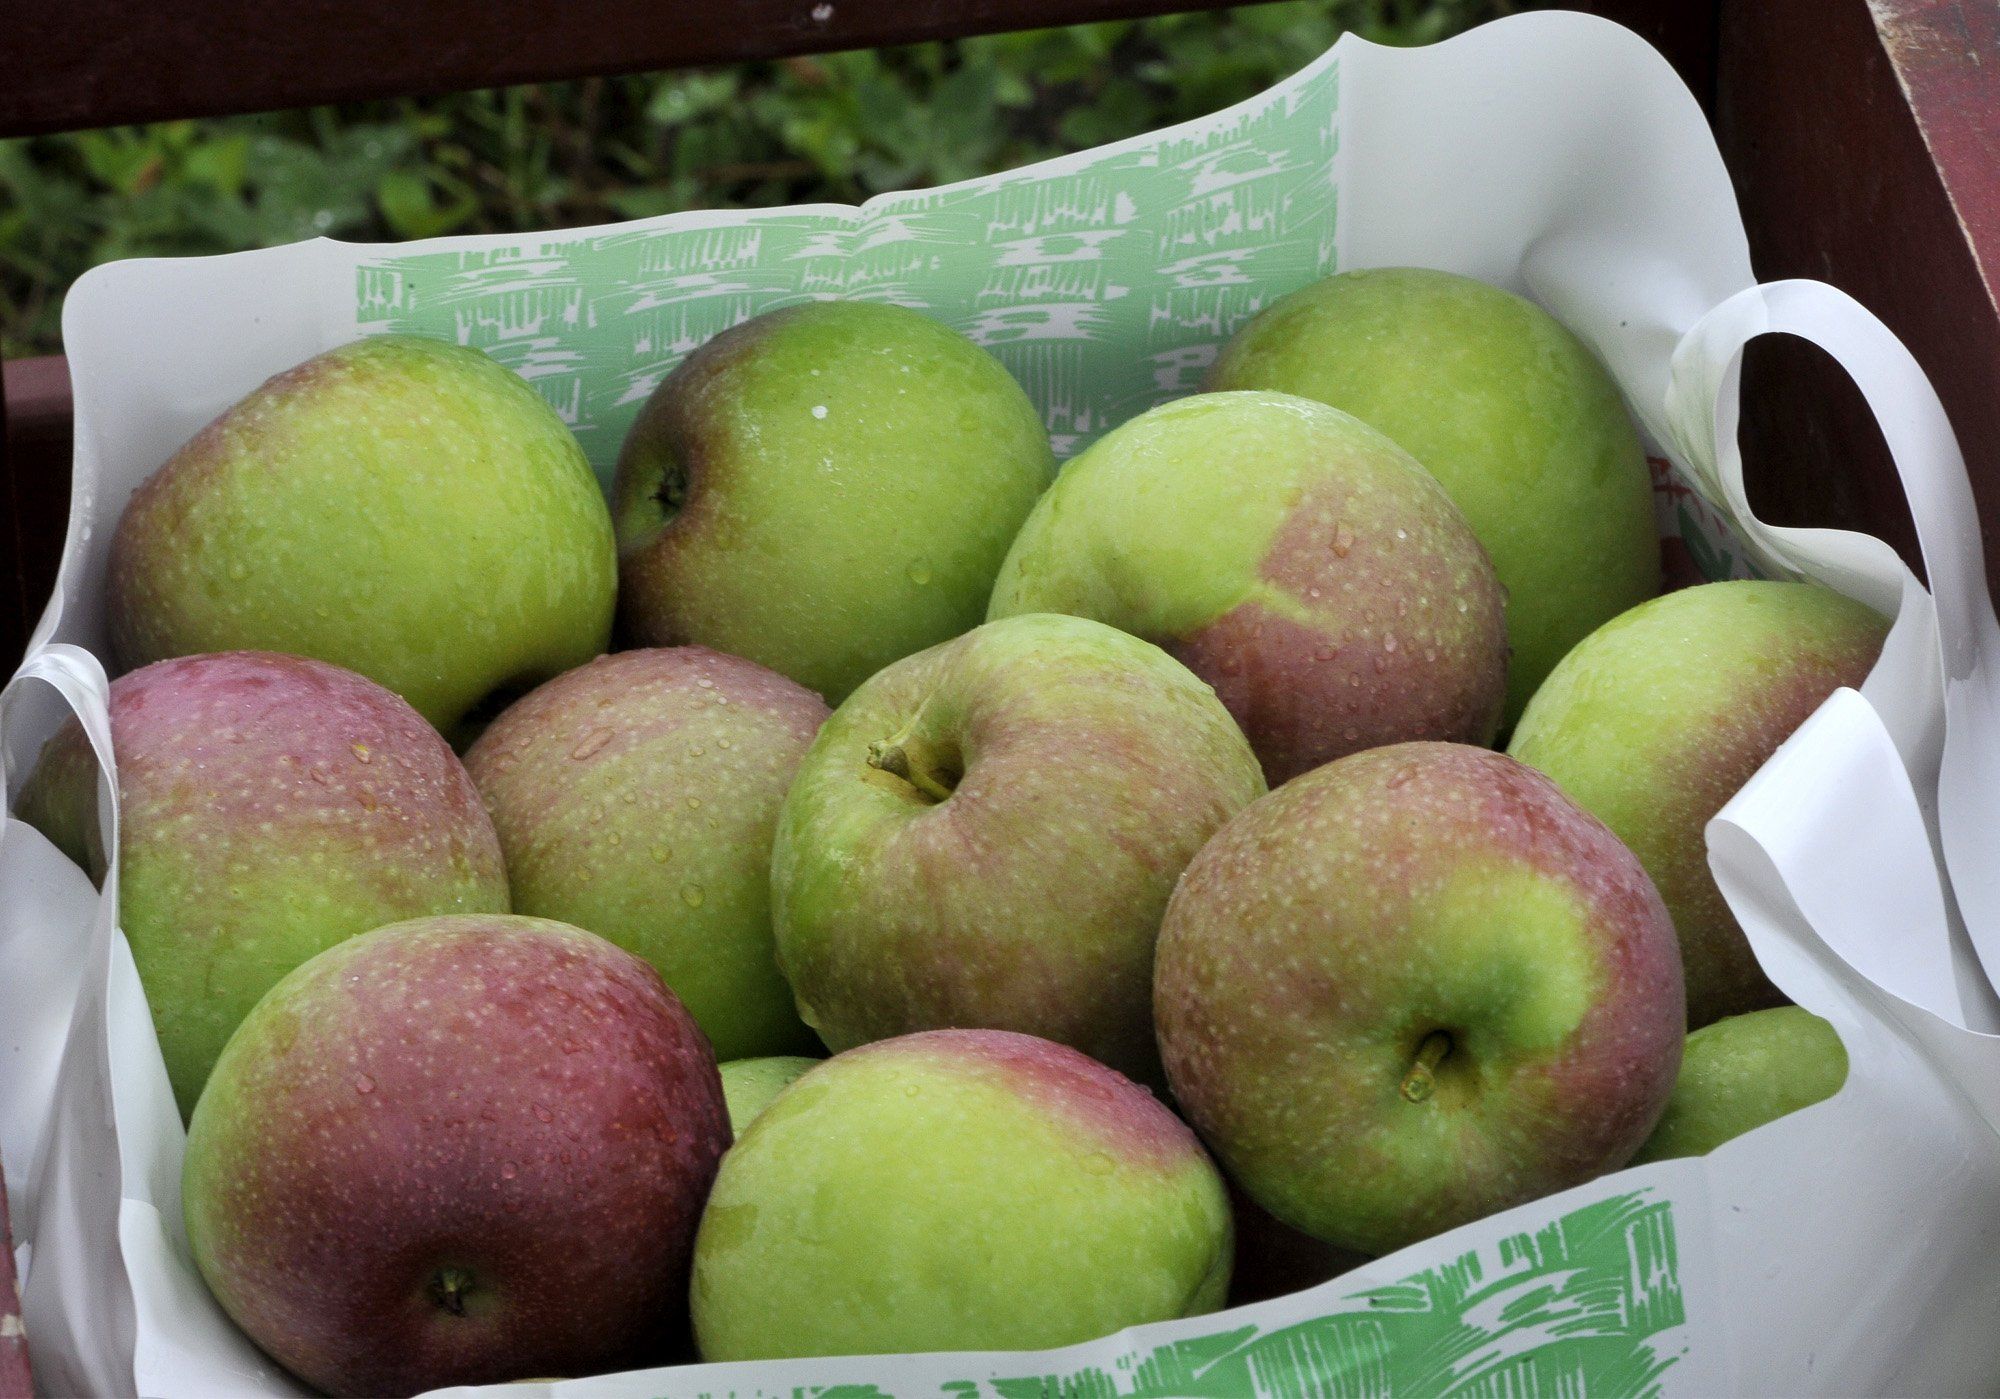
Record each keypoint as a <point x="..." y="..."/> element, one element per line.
<point x="450" y="1287"/>
<point x="672" y="492"/>
<point x="1421" y="1081"/>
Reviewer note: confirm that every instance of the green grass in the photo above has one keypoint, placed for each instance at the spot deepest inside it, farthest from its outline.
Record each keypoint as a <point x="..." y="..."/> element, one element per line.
<point x="834" y="128"/>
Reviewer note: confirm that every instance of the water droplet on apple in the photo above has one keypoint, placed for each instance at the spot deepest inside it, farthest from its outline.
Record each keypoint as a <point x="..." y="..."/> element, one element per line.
<point x="1381" y="664"/>
<point x="911" y="1090"/>
<point x="660" y="854"/>
<point x="360" y="751"/>
<point x="363" y="1084"/>
<point x="695" y="750"/>
<point x="722" y="743"/>
<point x="920" y="572"/>
<point x="508" y="1170"/>
<point x="592" y="742"/>
<point x="1343" y="539"/>
<point x="1325" y="653"/>
<point x="1389" y="643"/>
<point x="691" y="895"/>
<point x="571" y="1047"/>
<point x="694" y="803"/>
<point x="1098" y="1164"/>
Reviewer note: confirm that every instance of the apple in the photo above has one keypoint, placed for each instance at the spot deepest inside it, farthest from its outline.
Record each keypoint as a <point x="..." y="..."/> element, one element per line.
<point x="1659" y="716"/>
<point x="400" y="506"/>
<point x="824" y="489"/>
<point x="636" y="796"/>
<point x="456" y="1151"/>
<point x="751" y="1085"/>
<point x="1413" y="988"/>
<point x="986" y="833"/>
<point x="270" y="807"/>
<point x="1739" y="1073"/>
<point x="1289" y="555"/>
<point x="956" y="1190"/>
<point x="1507" y="409"/>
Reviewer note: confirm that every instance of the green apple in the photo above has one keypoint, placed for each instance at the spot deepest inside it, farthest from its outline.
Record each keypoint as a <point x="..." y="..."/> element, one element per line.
<point x="456" y="1151"/>
<point x="1659" y="716"/>
<point x="636" y="796"/>
<point x="1739" y="1073"/>
<point x="1507" y="409"/>
<point x="956" y="1190"/>
<point x="986" y="833"/>
<point x="824" y="489"/>
<point x="400" y="506"/>
<point x="1289" y="555"/>
<point x="270" y="807"/>
<point x="1415" y="987"/>
<point x="751" y="1085"/>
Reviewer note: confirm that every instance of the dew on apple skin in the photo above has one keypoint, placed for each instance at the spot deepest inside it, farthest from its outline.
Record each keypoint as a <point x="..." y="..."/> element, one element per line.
<point x="692" y="895"/>
<point x="1098" y="1164"/>
<point x="542" y="1114"/>
<point x="363" y="1084"/>
<point x="360" y="751"/>
<point x="1343" y="539"/>
<point x="661" y="854"/>
<point x="508" y="1170"/>
<point x="591" y="742"/>
<point x="920" y="572"/>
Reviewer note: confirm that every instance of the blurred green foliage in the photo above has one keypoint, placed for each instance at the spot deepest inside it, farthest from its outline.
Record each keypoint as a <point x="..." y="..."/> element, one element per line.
<point x="834" y="128"/>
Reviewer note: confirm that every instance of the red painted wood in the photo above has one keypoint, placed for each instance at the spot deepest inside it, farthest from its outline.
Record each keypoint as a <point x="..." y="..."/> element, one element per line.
<point x="16" y="1382"/>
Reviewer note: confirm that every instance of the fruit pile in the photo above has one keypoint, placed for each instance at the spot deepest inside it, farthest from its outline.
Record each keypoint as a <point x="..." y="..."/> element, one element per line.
<point x="1156" y="825"/>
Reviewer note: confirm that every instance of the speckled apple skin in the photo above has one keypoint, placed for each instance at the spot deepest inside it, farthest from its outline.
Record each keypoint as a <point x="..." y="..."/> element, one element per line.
<point x="853" y="473"/>
<point x="1742" y="1072"/>
<point x="1507" y="409"/>
<point x="957" y="1190"/>
<point x="1291" y="556"/>
<point x="636" y="797"/>
<point x="1095" y="765"/>
<point x="1661" y="715"/>
<point x="1324" y="934"/>
<point x="403" y="507"/>
<point x="509" y="1097"/>
<point x="751" y="1085"/>
<point x="270" y="807"/>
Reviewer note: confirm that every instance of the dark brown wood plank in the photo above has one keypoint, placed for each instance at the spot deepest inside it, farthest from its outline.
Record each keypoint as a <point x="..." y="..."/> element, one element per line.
<point x="35" y="438"/>
<point x="69" y="64"/>
<point x="1856" y="134"/>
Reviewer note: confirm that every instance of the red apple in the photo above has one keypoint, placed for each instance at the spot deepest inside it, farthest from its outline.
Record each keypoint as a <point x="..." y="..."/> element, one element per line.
<point x="457" y="1151"/>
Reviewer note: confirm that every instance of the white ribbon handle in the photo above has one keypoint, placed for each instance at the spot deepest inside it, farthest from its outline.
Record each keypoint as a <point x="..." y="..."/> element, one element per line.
<point x="1948" y="641"/>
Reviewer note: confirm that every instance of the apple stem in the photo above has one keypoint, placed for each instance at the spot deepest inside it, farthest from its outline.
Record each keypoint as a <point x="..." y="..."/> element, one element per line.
<point x="892" y="757"/>
<point x="450" y="1287"/>
<point x="1421" y="1081"/>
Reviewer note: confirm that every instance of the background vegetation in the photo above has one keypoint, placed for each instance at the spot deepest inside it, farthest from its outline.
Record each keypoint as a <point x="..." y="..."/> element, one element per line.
<point x="834" y="128"/>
